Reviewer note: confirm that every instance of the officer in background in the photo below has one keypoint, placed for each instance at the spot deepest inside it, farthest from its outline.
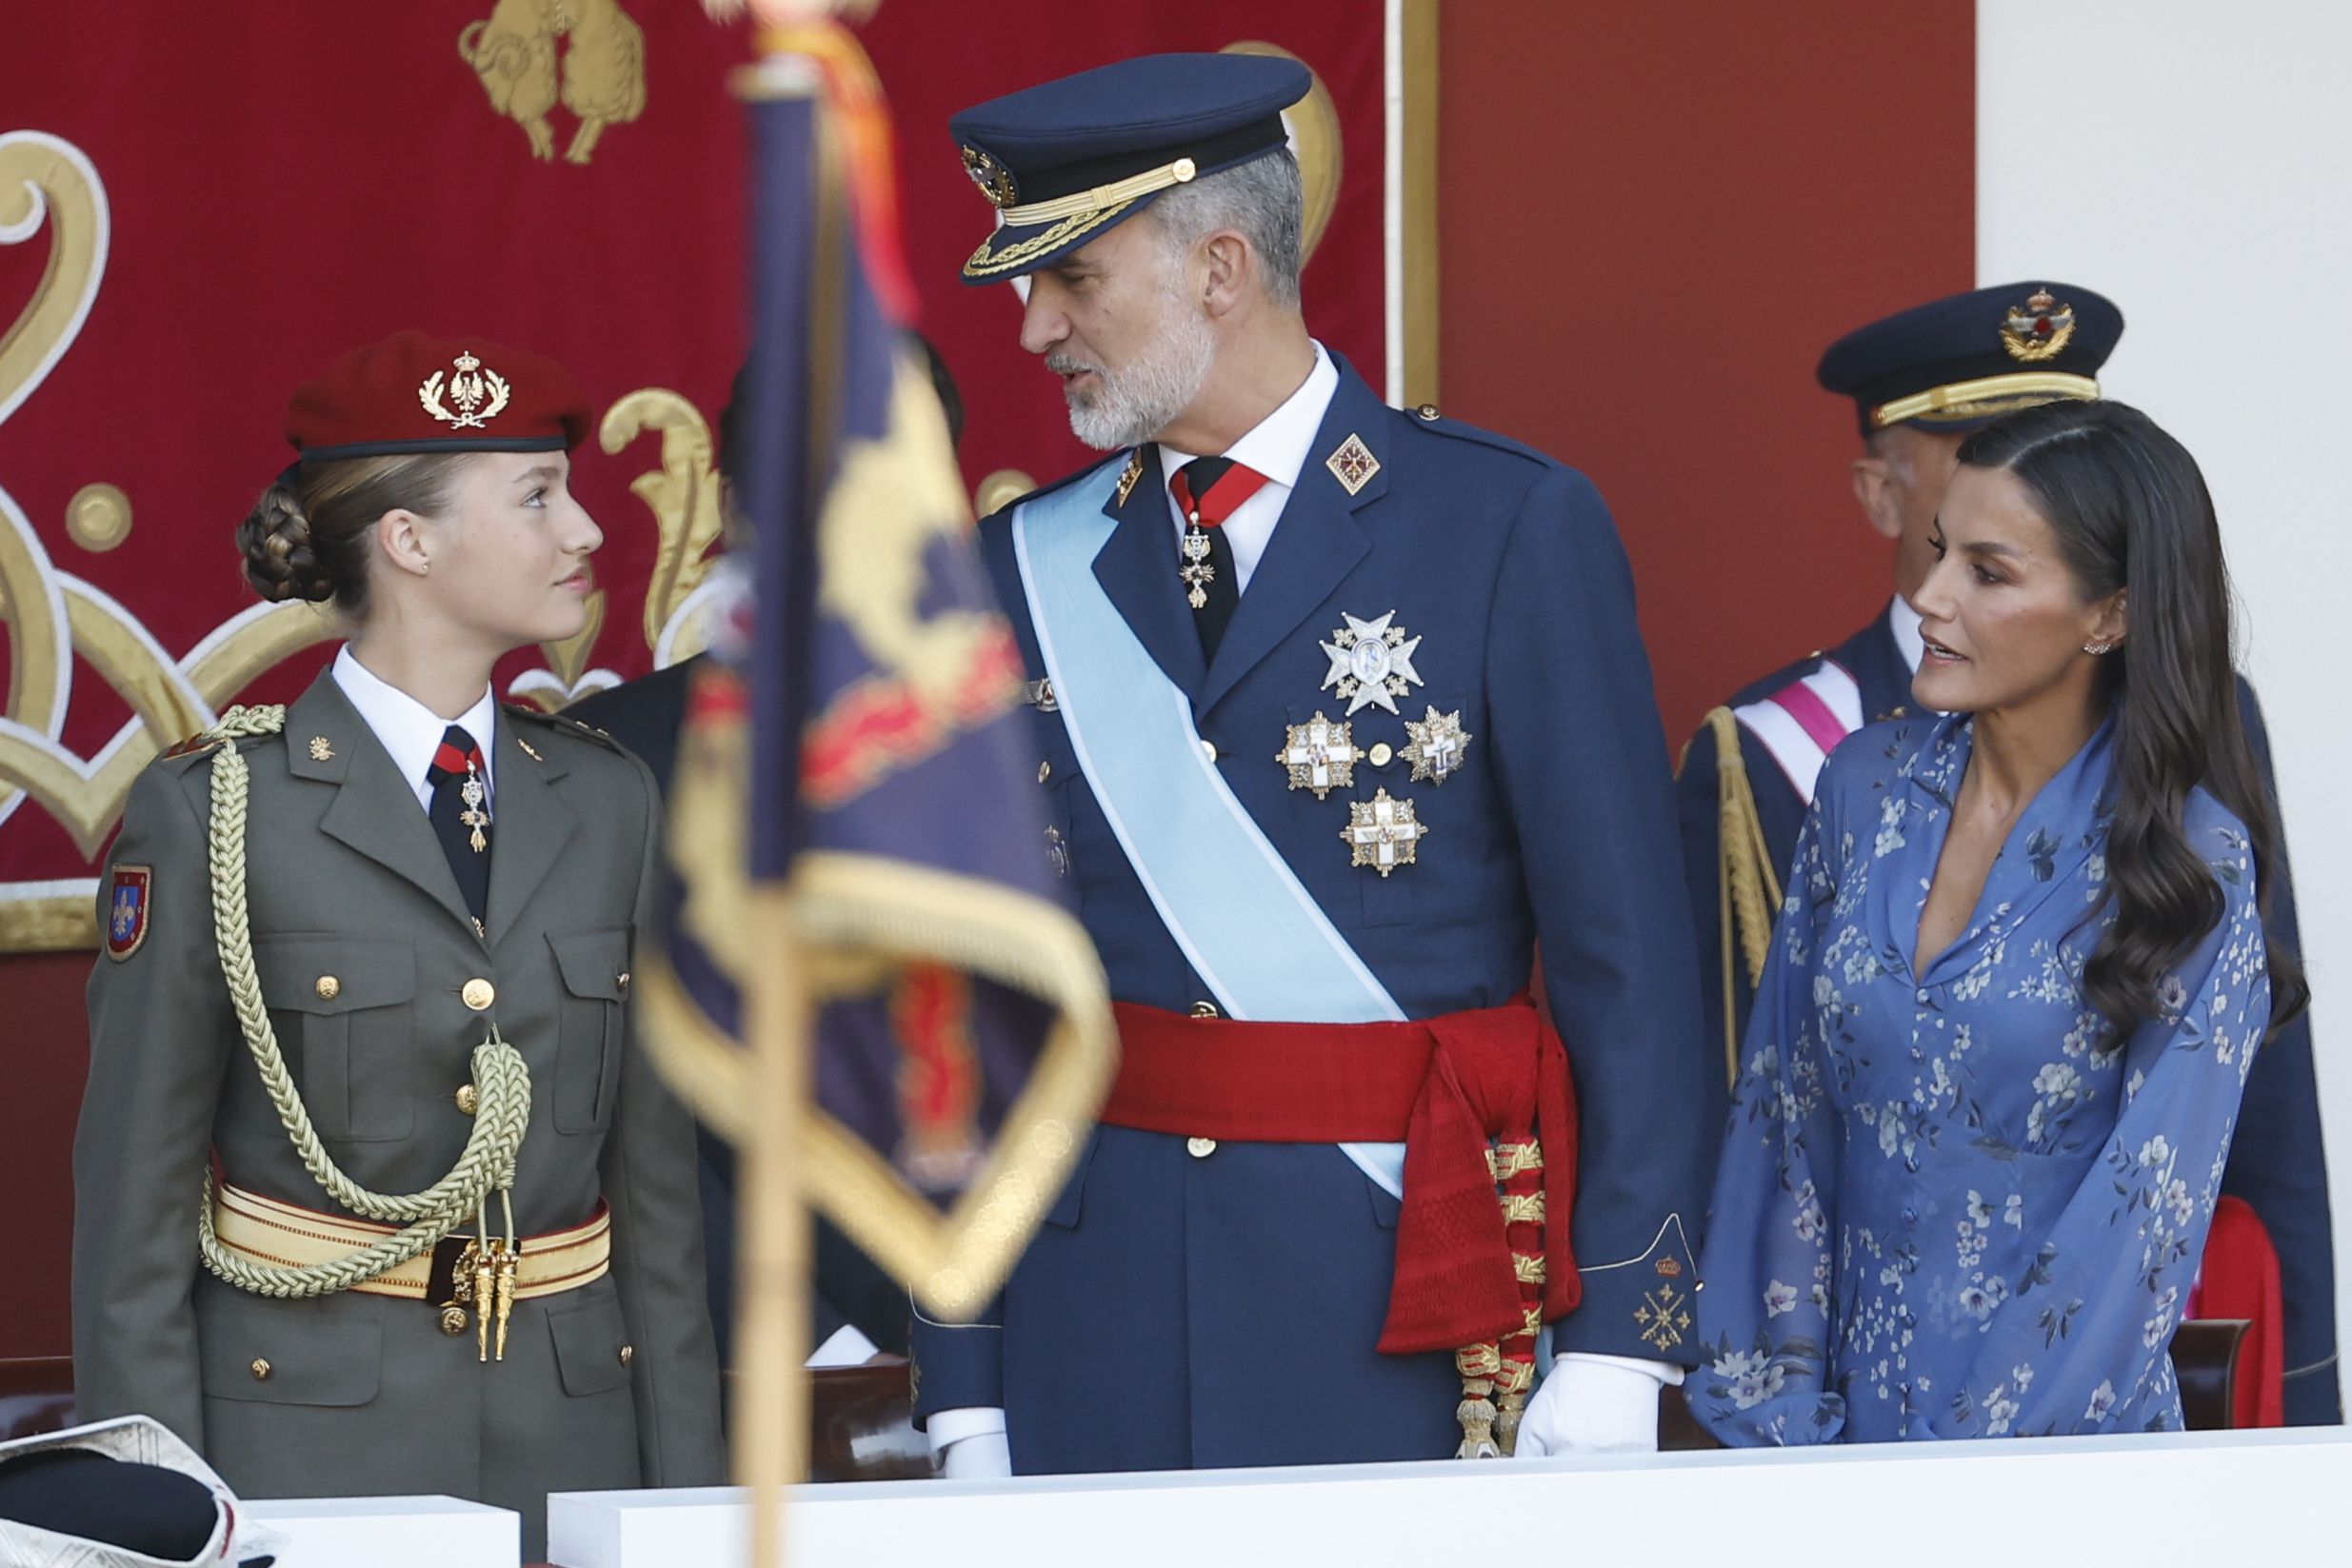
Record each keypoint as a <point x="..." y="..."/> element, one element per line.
<point x="1921" y="381"/>
<point x="1339" y="710"/>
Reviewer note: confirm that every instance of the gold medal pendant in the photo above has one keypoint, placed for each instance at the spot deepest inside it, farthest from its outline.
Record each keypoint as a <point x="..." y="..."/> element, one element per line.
<point x="473" y="793"/>
<point x="1196" y="573"/>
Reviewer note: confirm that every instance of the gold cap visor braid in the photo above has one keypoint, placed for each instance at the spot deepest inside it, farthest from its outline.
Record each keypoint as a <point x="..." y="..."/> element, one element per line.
<point x="1065" y="218"/>
<point x="1983" y="398"/>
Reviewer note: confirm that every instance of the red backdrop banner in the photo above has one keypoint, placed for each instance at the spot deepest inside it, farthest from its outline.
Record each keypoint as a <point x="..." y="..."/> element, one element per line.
<point x="223" y="197"/>
<point x="282" y="181"/>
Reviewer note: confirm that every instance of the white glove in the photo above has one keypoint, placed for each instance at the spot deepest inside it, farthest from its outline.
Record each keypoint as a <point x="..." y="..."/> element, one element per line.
<point x="1595" y="1405"/>
<point x="969" y="1444"/>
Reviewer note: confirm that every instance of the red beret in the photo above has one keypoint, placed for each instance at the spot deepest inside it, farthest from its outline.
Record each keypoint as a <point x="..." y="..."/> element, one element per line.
<point x="412" y="393"/>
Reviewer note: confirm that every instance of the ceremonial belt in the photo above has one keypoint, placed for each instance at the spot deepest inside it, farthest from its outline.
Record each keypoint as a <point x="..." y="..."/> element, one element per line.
<point x="264" y="1230"/>
<point x="1447" y="1086"/>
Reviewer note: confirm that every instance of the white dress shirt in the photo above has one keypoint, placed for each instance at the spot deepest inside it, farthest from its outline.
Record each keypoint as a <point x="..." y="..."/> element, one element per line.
<point x="1909" y="640"/>
<point x="1277" y="446"/>
<point x="412" y="732"/>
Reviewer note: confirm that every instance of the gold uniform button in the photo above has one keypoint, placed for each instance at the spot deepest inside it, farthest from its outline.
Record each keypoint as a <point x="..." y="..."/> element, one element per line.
<point x="1209" y="749"/>
<point x="1205" y="1010"/>
<point x="1427" y="410"/>
<point x="468" y="1099"/>
<point x="478" y="994"/>
<point x="329" y="987"/>
<point x="1044" y="771"/>
<point x="629" y="1354"/>
<point x="452" y="1320"/>
<point x="621" y="980"/>
<point x="261" y="1370"/>
<point x="1200" y="1148"/>
<point x="1380" y="754"/>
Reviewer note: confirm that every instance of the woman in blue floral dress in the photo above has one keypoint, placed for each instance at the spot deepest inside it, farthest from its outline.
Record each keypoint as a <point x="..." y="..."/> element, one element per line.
<point x="2017" y="983"/>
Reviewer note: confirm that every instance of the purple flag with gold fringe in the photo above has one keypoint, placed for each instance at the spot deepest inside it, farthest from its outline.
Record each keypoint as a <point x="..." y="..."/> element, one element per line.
<point x="856" y="743"/>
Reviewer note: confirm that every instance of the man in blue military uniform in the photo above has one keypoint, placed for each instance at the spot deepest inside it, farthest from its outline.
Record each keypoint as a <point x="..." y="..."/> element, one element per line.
<point x="1921" y="381"/>
<point x="1340" y="710"/>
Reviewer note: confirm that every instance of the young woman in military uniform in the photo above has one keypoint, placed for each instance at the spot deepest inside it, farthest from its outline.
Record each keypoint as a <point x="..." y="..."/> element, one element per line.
<point x="374" y="1192"/>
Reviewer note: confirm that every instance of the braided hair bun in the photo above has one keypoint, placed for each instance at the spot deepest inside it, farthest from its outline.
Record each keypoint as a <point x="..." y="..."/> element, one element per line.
<point x="279" y="559"/>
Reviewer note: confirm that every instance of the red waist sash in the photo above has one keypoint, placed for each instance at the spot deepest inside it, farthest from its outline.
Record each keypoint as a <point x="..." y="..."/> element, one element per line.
<point x="1447" y="1087"/>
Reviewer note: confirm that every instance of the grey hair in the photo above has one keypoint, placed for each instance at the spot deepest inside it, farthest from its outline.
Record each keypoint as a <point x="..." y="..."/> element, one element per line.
<point x="1262" y="200"/>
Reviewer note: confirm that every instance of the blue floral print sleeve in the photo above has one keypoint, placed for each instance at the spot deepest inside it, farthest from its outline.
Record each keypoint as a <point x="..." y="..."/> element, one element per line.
<point x="1951" y="1203"/>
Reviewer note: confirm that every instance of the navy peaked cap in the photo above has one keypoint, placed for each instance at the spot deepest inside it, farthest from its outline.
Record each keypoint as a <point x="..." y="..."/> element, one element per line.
<point x="1956" y="363"/>
<point x="1064" y="160"/>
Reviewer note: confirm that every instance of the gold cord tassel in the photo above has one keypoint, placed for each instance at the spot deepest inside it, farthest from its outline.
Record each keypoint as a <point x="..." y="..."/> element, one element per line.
<point x="1749" y="885"/>
<point x="1478" y="1364"/>
<point x="1516" y="1380"/>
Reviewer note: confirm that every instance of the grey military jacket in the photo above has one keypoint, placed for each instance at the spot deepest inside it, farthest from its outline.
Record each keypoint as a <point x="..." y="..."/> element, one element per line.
<point x="611" y="1385"/>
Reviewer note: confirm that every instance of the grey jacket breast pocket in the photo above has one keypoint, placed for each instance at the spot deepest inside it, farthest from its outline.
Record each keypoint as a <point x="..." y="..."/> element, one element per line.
<point x="268" y="1357"/>
<point x="343" y="1008"/>
<point x="593" y="965"/>
<point x="591" y="1340"/>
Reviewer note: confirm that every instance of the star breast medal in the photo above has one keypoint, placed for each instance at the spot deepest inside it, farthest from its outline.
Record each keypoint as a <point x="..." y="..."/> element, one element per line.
<point x="1372" y="663"/>
<point x="1319" y="755"/>
<point x="1438" y="744"/>
<point x="1383" y="833"/>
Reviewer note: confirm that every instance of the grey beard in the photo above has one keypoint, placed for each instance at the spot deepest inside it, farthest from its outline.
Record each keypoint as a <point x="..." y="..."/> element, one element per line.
<point x="1133" y="404"/>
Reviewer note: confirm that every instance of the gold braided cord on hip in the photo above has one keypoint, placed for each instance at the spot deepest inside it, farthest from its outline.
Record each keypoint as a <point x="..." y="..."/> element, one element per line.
<point x="501" y="1079"/>
<point x="1748" y="887"/>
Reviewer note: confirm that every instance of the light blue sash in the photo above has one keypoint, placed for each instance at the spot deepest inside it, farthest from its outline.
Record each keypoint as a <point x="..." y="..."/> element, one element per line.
<point x="1257" y="938"/>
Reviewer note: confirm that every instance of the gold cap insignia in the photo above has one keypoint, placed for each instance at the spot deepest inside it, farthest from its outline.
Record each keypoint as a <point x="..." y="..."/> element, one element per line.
<point x="478" y="391"/>
<point x="2038" y="329"/>
<point x="1353" y="464"/>
<point x="994" y="179"/>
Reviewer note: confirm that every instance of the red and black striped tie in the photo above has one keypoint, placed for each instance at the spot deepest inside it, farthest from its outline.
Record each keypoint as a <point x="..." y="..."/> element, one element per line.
<point x="461" y="823"/>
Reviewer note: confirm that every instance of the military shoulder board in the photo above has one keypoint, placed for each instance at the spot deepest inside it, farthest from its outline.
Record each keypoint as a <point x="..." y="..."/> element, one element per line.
<point x="1802" y="722"/>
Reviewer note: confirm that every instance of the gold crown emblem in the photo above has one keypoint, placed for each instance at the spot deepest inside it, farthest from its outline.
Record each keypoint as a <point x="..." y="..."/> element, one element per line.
<point x="2038" y="329"/>
<point x="993" y="178"/>
<point x="1669" y="1269"/>
<point x="478" y="391"/>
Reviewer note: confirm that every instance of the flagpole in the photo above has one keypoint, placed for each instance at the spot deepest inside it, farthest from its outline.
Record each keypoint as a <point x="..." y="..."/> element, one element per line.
<point x="772" y="1400"/>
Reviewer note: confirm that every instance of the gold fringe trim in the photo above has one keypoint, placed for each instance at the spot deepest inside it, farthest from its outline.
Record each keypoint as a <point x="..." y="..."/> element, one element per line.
<point x="1748" y="886"/>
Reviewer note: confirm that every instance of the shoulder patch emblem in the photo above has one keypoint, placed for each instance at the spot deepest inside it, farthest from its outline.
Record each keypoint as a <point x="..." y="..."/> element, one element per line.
<point x="126" y="910"/>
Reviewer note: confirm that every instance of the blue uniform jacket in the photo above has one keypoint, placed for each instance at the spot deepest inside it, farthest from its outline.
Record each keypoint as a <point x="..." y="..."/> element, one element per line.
<point x="1221" y="1307"/>
<point x="2277" y="1162"/>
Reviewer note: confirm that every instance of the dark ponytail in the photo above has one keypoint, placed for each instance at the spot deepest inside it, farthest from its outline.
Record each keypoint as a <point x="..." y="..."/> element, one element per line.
<point x="2131" y="512"/>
